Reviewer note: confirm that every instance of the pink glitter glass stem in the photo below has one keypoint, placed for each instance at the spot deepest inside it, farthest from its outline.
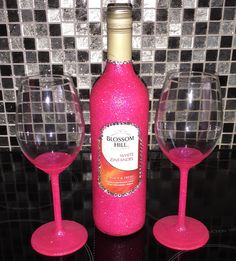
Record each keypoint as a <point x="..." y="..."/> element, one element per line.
<point x="182" y="198"/>
<point x="56" y="203"/>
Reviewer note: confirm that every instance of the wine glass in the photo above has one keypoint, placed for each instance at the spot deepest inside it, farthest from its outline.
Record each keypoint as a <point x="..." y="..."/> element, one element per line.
<point x="50" y="132"/>
<point x="187" y="126"/>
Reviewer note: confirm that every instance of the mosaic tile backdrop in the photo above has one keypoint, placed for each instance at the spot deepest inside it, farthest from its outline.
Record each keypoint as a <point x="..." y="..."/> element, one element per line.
<point x="69" y="37"/>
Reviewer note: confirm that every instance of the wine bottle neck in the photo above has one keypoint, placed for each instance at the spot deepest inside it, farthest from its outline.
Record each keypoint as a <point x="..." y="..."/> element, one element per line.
<point x="119" y="45"/>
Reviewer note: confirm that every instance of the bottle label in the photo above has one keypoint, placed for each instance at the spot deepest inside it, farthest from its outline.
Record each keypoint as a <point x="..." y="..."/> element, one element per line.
<point x="119" y="163"/>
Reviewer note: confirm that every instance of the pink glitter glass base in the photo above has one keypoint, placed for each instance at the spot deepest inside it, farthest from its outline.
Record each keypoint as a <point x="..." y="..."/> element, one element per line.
<point x="167" y="232"/>
<point x="45" y="240"/>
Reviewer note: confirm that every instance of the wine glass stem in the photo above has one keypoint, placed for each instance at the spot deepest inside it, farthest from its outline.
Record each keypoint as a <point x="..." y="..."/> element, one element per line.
<point x="182" y="197"/>
<point x="56" y="203"/>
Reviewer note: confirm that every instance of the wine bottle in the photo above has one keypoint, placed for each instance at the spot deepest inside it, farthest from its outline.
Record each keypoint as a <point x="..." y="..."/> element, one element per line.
<point x="119" y="133"/>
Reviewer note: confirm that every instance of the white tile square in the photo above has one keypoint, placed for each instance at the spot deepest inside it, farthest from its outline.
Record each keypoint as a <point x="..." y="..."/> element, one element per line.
<point x="32" y="69"/>
<point x="161" y="42"/>
<point x="57" y="56"/>
<point x="186" y="42"/>
<point x="67" y="3"/>
<point x="96" y="56"/>
<point x="28" y="29"/>
<point x="189" y="3"/>
<point x="26" y="4"/>
<point x="53" y="15"/>
<point x="94" y="3"/>
<point x="68" y="29"/>
<point x="104" y="42"/>
<point x="136" y="42"/>
<point x="42" y="43"/>
<point x="202" y="14"/>
<point x="94" y="15"/>
<point x="82" y="43"/>
<point x="147" y="56"/>
<point x="213" y="41"/>
<point x="149" y="15"/>
<point x="137" y="28"/>
<point x="149" y="3"/>
<point x="174" y="29"/>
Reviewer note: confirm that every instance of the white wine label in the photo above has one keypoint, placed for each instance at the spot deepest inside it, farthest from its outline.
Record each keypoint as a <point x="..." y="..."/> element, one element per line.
<point x="119" y="172"/>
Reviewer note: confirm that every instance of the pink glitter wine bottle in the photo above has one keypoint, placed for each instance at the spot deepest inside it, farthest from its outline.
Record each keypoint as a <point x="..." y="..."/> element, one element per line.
<point x="119" y="132"/>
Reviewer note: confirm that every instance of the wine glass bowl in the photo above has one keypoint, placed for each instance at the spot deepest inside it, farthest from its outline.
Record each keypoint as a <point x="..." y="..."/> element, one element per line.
<point x="188" y="125"/>
<point x="50" y="132"/>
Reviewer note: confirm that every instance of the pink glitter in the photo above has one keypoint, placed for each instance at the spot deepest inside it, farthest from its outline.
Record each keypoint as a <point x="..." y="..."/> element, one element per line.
<point x="119" y="96"/>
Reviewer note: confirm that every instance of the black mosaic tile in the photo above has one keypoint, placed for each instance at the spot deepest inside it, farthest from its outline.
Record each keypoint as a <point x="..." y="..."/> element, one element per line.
<point x="231" y="93"/>
<point x="216" y="14"/>
<point x="29" y="43"/>
<point x="0" y="95"/>
<point x="230" y="3"/>
<point x="4" y="141"/>
<point x="10" y="106"/>
<point x="224" y="55"/>
<point x="13" y="15"/>
<point x="5" y="70"/>
<point x="55" y="29"/>
<point x="176" y="3"/>
<point x="173" y="42"/>
<point x="226" y="41"/>
<point x="95" y="28"/>
<point x="137" y="14"/>
<point x="53" y="3"/>
<point x="223" y="80"/>
<point x="203" y="3"/>
<point x="3" y="130"/>
<point x="148" y="28"/>
<point x="136" y="55"/>
<point x="234" y="55"/>
<point x="57" y="69"/>
<point x="2" y="109"/>
<point x="233" y="68"/>
<point x="11" y="4"/>
<point x="43" y="57"/>
<point x="81" y="3"/>
<point x="226" y="138"/>
<point x="201" y="28"/>
<point x="7" y="83"/>
<point x="3" y="30"/>
<point x="69" y="42"/>
<point x="188" y="15"/>
<point x="40" y="16"/>
<point x="81" y="14"/>
<point x="198" y="67"/>
<point x="186" y="56"/>
<point x="214" y="27"/>
<point x="229" y="14"/>
<point x="160" y="55"/>
<point x="96" y="69"/>
<point x="17" y="57"/>
<point x="83" y="56"/>
<point x="161" y="15"/>
<point x="211" y="55"/>
<point x="19" y="70"/>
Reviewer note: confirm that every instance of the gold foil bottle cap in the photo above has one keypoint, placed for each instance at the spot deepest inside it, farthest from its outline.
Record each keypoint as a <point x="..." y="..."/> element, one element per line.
<point x="119" y="16"/>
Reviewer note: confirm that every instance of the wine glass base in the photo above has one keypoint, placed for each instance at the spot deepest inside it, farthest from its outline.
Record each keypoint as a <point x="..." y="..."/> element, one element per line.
<point x="46" y="241"/>
<point x="194" y="236"/>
